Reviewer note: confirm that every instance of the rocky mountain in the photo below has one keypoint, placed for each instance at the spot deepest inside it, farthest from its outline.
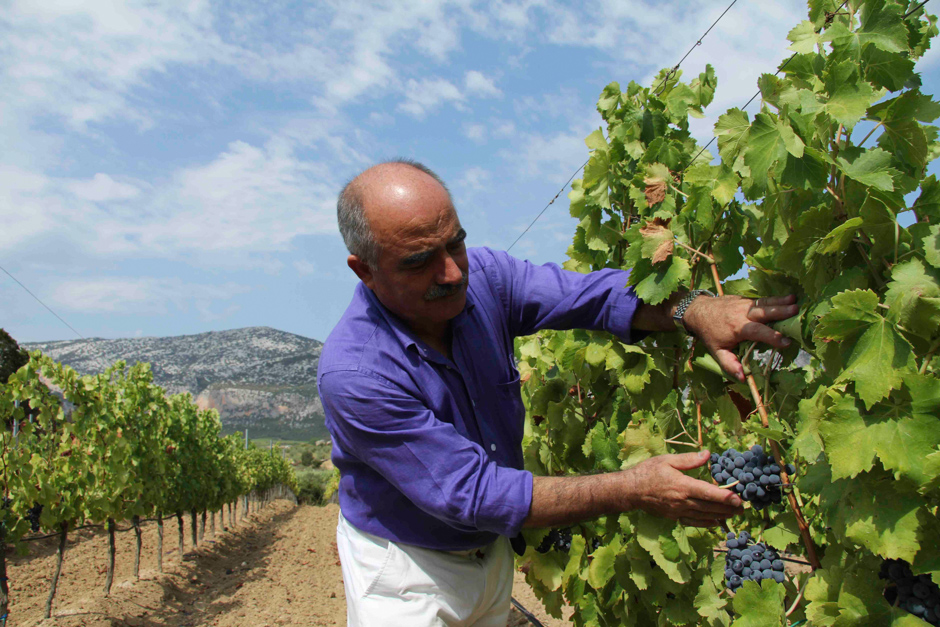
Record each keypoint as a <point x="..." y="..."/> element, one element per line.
<point x="258" y="378"/>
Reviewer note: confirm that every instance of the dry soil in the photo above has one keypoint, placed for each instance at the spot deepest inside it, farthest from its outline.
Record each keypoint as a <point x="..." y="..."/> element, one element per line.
<point x="276" y="567"/>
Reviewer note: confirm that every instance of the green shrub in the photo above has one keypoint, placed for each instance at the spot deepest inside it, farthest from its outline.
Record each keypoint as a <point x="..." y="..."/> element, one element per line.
<point x="313" y="483"/>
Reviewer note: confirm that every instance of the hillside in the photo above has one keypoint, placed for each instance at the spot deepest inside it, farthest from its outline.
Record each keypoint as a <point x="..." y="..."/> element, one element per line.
<point x="258" y="378"/>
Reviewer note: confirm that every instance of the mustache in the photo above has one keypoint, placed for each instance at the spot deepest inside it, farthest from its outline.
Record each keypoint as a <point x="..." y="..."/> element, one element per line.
<point x="437" y="292"/>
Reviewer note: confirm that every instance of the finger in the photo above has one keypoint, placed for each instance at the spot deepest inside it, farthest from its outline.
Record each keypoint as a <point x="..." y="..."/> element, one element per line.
<point x="729" y="363"/>
<point x="762" y="333"/>
<point x="711" y="509"/>
<point x="688" y="461"/>
<point x="690" y="509"/>
<point x="704" y="491"/>
<point x="765" y="312"/>
<point x="692" y="522"/>
<point x="764" y="301"/>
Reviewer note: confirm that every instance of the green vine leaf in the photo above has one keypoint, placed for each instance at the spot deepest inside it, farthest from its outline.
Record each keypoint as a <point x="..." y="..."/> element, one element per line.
<point x="871" y="167"/>
<point x="759" y="605"/>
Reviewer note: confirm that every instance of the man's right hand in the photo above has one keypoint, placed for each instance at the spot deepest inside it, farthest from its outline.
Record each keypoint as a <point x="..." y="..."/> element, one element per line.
<point x="660" y="487"/>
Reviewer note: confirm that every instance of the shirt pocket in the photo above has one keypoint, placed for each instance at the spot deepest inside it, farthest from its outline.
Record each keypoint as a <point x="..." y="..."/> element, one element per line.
<point x="509" y="399"/>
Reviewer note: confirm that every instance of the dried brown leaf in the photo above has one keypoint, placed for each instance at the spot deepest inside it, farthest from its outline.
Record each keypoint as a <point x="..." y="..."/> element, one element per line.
<point x="658" y="238"/>
<point x="655" y="190"/>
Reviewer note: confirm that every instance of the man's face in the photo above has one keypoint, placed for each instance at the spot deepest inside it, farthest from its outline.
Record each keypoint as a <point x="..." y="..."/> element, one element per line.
<point x="421" y="274"/>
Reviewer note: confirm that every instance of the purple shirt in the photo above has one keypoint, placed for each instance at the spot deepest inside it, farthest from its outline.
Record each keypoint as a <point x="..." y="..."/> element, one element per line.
<point x="429" y="449"/>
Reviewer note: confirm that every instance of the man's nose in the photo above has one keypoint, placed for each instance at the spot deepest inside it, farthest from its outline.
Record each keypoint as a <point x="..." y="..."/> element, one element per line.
<point x="449" y="272"/>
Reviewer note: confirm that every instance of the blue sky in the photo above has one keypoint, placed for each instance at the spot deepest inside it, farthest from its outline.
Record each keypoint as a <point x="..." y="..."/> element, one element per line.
<point x="171" y="168"/>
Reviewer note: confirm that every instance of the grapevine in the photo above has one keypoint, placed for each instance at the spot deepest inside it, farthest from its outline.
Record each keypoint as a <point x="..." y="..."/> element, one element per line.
<point x="109" y="448"/>
<point x="822" y="193"/>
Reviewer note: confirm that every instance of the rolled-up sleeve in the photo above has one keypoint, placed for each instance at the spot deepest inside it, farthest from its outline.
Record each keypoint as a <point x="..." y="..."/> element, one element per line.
<point x="443" y="473"/>
<point x="549" y="297"/>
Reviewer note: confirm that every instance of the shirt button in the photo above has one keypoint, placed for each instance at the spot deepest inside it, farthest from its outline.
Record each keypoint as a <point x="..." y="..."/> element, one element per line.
<point x="492" y="447"/>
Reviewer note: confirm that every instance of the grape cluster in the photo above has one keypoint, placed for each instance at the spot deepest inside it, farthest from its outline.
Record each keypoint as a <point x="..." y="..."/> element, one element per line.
<point x="750" y="561"/>
<point x="757" y="475"/>
<point x="32" y="516"/>
<point x="558" y="539"/>
<point x="917" y="594"/>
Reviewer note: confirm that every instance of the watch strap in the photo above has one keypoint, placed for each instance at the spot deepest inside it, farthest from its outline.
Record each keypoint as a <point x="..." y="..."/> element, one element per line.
<point x="684" y="305"/>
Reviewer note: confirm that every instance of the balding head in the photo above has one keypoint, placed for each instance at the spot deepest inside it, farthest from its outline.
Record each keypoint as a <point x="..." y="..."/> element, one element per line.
<point x="386" y="191"/>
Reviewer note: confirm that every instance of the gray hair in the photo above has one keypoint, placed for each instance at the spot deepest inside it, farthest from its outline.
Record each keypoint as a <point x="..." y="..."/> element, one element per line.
<point x="350" y="212"/>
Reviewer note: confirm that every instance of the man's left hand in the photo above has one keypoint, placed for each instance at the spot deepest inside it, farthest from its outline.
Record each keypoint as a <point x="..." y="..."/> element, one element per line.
<point x="723" y="322"/>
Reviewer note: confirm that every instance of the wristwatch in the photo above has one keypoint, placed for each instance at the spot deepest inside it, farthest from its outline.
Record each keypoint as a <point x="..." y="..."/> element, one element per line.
<point x="684" y="304"/>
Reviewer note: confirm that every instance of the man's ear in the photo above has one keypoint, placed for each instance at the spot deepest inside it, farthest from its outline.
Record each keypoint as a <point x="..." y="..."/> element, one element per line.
<point x="362" y="270"/>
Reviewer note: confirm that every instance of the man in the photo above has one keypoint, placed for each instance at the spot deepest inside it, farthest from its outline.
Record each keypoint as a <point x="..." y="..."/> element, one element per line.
<point x="423" y="402"/>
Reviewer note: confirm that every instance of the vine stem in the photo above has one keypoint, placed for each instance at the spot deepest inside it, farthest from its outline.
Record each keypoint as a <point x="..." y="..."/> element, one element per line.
<point x="715" y="277"/>
<point x="680" y="442"/>
<point x="929" y="357"/>
<point x="694" y="251"/>
<point x="871" y="268"/>
<point x="800" y="519"/>
<point x="870" y="133"/>
<point x="799" y="597"/>
<point x="698" y="419"/>
<point x="673" y="188"/>
<point x="836" y="147"/>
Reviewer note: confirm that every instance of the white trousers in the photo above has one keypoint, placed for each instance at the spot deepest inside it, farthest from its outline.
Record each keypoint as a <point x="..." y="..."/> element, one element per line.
<point x="399" y="585"/>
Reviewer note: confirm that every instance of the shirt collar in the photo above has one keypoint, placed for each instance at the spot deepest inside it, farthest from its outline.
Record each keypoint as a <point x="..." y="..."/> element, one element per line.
<point x="406" y="336"/>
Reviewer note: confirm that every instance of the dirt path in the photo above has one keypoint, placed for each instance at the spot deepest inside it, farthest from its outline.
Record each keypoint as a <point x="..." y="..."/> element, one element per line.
<point x="278" y="567"/>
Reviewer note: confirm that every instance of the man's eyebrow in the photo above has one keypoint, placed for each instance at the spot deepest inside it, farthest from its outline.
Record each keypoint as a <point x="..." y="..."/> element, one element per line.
<point x="456" y="239"/>
<point x="419" y="258"/>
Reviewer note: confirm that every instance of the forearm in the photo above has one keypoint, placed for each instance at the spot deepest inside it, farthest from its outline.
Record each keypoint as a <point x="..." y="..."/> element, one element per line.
<point x="558" y="501"/>
<point x="657" y="317"/>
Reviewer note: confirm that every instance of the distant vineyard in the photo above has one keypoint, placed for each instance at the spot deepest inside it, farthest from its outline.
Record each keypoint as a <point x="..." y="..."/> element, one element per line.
<point x="78" y="450"/>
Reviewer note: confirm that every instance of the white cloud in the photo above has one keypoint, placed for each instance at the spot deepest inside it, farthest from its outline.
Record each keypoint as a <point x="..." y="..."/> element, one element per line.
<point x="380" y="118"/>
<point x="475" y="133"/>
<point x="141" y="295"/>
<point x="80" y="61"/>
<point x="87" y="63"/>
<point x="103" y="188"/>
<point x="305" y="267"/>
<point x="248" y="200"/>
<point x="479" y="85"/>
<point x="504" y="128"/>
<point x="474" y="178"/>
<point x="249" y="197"/>
<point x="26" y="209"/>
<point x="427" y="94"/>
<point x="550" y="156"/>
